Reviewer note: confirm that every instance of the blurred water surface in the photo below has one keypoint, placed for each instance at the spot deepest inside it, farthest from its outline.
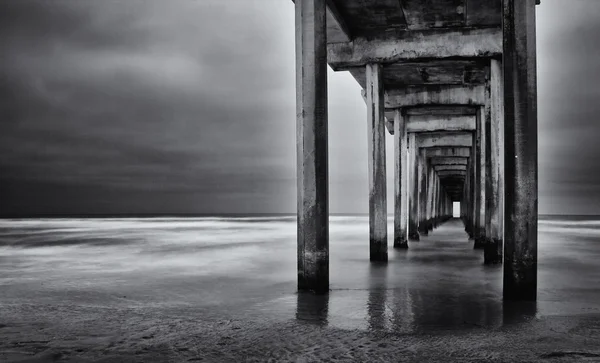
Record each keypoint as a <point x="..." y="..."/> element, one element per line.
<point x="245" y="267"/>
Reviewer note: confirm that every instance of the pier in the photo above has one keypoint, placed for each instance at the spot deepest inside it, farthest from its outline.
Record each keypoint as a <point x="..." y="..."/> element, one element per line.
<point x="455" y="82"/>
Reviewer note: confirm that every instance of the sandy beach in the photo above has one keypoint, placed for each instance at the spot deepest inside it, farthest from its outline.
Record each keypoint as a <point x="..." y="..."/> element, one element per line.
<point x="224" y="290"/>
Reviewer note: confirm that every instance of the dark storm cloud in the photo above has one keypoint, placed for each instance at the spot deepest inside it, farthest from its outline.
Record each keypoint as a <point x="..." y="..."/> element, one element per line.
<point x="188" y="106"/>
<point x="143" y="96"/>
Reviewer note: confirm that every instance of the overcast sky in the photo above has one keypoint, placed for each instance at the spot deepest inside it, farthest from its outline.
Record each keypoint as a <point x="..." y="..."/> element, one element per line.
<point x="188" y="106"/>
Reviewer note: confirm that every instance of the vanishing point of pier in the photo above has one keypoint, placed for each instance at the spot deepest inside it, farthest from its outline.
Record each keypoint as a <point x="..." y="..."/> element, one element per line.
<point x="455" y="82"/>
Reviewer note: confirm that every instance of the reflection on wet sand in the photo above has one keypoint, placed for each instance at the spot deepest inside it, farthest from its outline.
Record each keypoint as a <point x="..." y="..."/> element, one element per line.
<point x="312" y="308"/>
<point x="421" y="291"/>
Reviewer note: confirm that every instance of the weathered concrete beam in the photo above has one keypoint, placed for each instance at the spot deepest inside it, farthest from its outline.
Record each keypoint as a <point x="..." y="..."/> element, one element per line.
<point x="441" y="110"/>
<point x="453" y="179"/>
<point x="450" y="167"/>
<point x="443" y="173"/>
<point x="428" y="123"/>
<point x="435" y="95"/>
<point x="311" y="144"/>
<point x="437" y="123"/>
<point x="449" y="151"/>
<point x="453" y="187"/>
<point x="412" y="45"/>
<point x="439" y="160"/>
<point x="456" y="181"/>
<point x="455" y="139"/>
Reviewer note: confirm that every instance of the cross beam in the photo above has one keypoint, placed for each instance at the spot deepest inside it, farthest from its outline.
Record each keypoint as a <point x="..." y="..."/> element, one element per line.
<point x="413" y="45"/>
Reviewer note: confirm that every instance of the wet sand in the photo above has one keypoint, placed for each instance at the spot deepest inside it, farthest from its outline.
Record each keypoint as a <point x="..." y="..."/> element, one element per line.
<point x="435" y="302"/>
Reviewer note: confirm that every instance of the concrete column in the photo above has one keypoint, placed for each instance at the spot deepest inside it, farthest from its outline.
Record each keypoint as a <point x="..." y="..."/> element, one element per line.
<point x="490" y="188"/>
<point x="464" y="200"/>
<point x="311" y="143"/>
<point x="493" y="248"/>
<point x="435" y="199"/>
<point x="377" y="177"/>
<point x="400" y="181"/>
<point x="520" y="151"/>
<point x="432" y="223"/>
<point x="480" y="181"/>
<point x="436" y="202"/>
<point x="423" y="230"/>
<point x="430" y="188"/>
<point x="413" y="177"/>
<point x="442" y="195"/>
<point x="473" y="194"/>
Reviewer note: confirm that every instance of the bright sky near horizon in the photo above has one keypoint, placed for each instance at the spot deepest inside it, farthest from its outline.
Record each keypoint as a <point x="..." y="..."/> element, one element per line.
<point x="188" y="106"/>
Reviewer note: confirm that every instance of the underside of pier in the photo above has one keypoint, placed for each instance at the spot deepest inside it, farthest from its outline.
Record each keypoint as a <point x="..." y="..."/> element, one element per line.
<point x="455" y="82"/>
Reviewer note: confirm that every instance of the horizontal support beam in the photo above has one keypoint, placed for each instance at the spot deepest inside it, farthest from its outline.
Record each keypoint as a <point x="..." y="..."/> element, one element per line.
<point x="453" y="187"/>
<point x="449" y="151"/>
<point x="413" y="45"/>
<point x="452" y="183"/>
<point x="451" y="160"/>
<point x="449" y="167"/>
<point x="440" y="110"/>
<point x="428" y="123"/>
<point x="442" y="173"/>
<point x="452" y="179"/>
<point x="457" y="139"/>
<point x="435" y="95"/>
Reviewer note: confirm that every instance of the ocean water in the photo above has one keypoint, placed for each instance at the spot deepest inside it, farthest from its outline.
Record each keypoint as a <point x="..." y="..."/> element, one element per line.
<point x="246" y="266"/>
<point x="222" y="289"/>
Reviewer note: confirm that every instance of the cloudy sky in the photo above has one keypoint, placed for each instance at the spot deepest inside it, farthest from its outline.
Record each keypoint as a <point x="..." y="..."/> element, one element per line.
<point x="187" y="106"/>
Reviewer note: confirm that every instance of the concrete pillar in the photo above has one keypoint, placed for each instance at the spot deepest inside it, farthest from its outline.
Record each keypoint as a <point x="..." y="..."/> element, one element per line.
<point x="490" y="188"/>
<point x="434" y="199"/>
<point x="413" y="177"/>
<point x="464" y="201"/>
<point x="440" y="203"/>
<point x="311" y="143"/>
<point x="429" y="194"/>
<point x="400" y="181"/>
<point x="377" y="177"/>
<point x="520" y="151"/>
<point x="473" y="194"/>
<point x="436" y="202"/>
<point x="480" y="181"/>
<point x="423" y="230"/>
<point x="493" y="248"/>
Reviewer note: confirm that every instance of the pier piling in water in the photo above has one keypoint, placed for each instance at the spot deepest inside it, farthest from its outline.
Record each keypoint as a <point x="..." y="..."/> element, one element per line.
<point x="311" y="143"/>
